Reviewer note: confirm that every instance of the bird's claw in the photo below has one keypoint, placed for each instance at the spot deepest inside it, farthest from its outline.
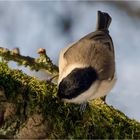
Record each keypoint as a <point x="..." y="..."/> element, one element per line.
<point x="83" y="107"/>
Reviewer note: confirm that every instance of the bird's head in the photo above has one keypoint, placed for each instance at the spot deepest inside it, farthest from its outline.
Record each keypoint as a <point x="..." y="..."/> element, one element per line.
<point x="76" y="83"/>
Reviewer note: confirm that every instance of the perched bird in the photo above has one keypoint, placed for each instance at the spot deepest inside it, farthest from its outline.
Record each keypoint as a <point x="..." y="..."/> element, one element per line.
<point x="87" y="67"/>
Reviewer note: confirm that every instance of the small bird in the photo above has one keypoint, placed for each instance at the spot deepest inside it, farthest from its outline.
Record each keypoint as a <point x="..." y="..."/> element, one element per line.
<point x="87" y="67"/>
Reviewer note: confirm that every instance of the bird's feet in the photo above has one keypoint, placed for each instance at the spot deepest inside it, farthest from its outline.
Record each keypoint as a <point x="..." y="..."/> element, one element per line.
<point x="83" y="107"/>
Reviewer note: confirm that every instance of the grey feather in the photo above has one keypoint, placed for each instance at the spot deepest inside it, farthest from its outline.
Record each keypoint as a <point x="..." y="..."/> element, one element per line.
<point x="98" y="53"/>
<point x="95" y="49"/>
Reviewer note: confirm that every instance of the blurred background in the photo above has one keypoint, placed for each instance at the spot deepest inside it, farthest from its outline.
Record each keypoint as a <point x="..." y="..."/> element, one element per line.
<point x="54" y="25"/>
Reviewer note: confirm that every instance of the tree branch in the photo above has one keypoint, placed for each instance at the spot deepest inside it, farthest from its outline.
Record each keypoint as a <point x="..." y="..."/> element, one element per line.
<point x="41" y="63"/>
<point x="30" y="109"/>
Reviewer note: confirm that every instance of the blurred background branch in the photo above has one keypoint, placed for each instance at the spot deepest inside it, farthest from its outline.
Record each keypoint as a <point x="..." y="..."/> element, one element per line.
<point x="41" y="63"/>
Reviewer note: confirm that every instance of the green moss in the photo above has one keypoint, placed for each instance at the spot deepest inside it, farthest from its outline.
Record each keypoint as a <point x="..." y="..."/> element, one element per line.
<point x="65" y="121"/>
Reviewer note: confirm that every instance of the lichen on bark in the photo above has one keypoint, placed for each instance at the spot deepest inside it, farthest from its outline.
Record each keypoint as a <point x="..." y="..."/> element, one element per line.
<point x="28" y="106"/>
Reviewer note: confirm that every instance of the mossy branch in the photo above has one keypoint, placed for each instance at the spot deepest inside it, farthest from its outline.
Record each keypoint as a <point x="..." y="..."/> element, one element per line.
<point x="41" y="63"/>
<point x="37" y="113"/>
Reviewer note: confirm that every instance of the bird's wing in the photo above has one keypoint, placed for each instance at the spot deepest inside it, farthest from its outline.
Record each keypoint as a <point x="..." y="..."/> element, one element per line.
<point x="62" y="61"/>
<point x="96" y="50"/>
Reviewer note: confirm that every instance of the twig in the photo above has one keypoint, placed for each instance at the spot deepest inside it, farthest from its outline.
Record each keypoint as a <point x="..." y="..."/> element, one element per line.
<point x="41" y="63"/>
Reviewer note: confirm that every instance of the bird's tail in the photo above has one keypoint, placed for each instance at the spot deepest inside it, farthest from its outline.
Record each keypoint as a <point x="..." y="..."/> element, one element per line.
<point x="103" y="21"/>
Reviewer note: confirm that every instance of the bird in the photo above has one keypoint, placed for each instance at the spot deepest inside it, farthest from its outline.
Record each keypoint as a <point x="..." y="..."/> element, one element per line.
<point x="87" y="66"/>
